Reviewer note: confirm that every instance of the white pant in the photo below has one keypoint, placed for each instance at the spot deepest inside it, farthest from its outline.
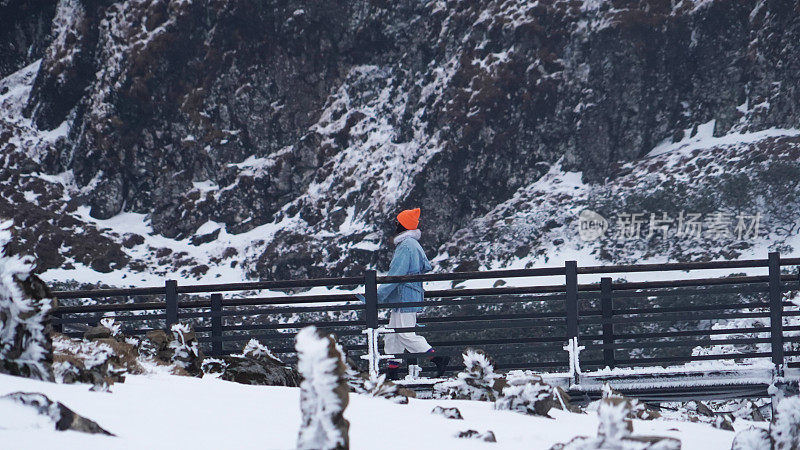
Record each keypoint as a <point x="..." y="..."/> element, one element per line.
<point x="395" y="343"/>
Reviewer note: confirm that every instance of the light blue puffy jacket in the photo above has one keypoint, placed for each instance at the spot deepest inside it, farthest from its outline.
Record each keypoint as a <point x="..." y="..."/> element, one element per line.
<point x="408" y="259"/>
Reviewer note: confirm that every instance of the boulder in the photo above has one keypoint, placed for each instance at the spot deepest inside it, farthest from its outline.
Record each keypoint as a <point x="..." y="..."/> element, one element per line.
<point x="61" y="417"/>
<point x="255" y="365"/>
<point x="247" y="370"/>
<point x="448" y="413"/>
<point x="98" y="332"/>
<point x="488" y="436"/>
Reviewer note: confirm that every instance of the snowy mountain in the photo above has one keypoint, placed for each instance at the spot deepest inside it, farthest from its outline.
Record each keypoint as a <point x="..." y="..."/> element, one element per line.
<point x="232" y="140"/>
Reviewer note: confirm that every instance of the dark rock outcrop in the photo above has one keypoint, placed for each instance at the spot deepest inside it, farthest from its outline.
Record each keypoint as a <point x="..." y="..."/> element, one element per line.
<point x="25" y="32"/>
<point x="319" y="115"/>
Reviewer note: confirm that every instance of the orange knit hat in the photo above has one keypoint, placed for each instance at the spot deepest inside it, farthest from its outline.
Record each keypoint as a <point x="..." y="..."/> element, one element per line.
<point x="409" y="218"/>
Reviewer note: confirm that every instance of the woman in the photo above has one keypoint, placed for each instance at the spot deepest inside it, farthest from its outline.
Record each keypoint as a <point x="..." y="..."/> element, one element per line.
<point x="408" y="259"/>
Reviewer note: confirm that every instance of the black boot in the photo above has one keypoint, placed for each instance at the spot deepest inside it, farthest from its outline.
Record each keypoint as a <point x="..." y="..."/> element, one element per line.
<point x="441" y="364"/>
<point x="393" y="372"/>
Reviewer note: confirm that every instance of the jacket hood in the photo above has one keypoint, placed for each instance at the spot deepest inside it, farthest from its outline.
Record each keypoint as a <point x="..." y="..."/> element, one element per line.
<point x="413" y="234"/>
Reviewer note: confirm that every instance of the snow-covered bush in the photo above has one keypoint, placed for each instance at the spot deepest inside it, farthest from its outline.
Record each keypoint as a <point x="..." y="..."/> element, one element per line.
<point x="614" y="422"/>
<point x="381" y="387"/>
<point x="323" y="392"/>
<point x="98" y="362"/>
<point x="257" y="350"/>
<point x="637" y="409"/>
<point x="615" y="431"/>
<point x="785" y="426"/>
<point x="783" y="433"/>
<point x="186" y="350"/>
<point x="112" y="325"/>
<point x="477" y="381"/>
<point x="752" y="439"/>
<point x="25" y="345"/>
<point x="535" y="398"/>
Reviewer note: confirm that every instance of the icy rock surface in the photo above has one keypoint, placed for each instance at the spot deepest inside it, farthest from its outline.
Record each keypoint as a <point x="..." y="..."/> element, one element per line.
<point x="323" y="392"/>
<point x="21" y="410"/>
<point x="25" y="343"/>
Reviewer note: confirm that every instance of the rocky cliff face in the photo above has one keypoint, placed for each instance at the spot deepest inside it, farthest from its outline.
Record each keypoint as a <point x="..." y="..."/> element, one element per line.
<point x="279" y="137"/>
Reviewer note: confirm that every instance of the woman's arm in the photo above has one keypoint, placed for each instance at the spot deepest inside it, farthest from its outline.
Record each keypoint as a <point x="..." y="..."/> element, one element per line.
<point x="399" y="266"/>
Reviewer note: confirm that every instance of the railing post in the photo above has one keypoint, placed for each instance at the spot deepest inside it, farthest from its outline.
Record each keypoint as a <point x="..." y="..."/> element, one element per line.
<point x="371" y="298"/>
<point x="607" y="307"/>
<point x="571" y="274"/>
<point x="171" y="287"/>
<point x="371" y="319"/>
<point x="55" y="315"/>
<point x="216" y="324"/>
<point x="776" y="311"/>
<point x="571" y="268"/>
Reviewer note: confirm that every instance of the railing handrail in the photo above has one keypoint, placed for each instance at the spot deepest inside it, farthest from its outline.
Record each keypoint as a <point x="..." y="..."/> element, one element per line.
<point x="568" y="320"/>
<point x="449" y="276"/>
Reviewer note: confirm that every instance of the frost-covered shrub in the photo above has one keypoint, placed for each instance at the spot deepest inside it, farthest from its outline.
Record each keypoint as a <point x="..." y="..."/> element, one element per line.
<point x="101" y="362"/>
<point x="614" y="422"/>
<point x="535" y="398"/>
<point x="381" y="387"/>
<point x="257" y="350"/>
<point x="477" y="381"/>
<point x="323" y="392"/>
<point x="615" y="432"/>
<point x="25" y="345"/>
<point x="186" y="352"/>
<point x="752" y="439"/>
<point x="112" y="325"/>
<point x="637" y="409"/>
<point x="785" y="426"/>
<point x="783" y="433"/>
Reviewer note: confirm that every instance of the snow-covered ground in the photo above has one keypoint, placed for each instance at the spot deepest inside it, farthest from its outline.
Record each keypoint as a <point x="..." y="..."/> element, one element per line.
<point x="161" y="411"/>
